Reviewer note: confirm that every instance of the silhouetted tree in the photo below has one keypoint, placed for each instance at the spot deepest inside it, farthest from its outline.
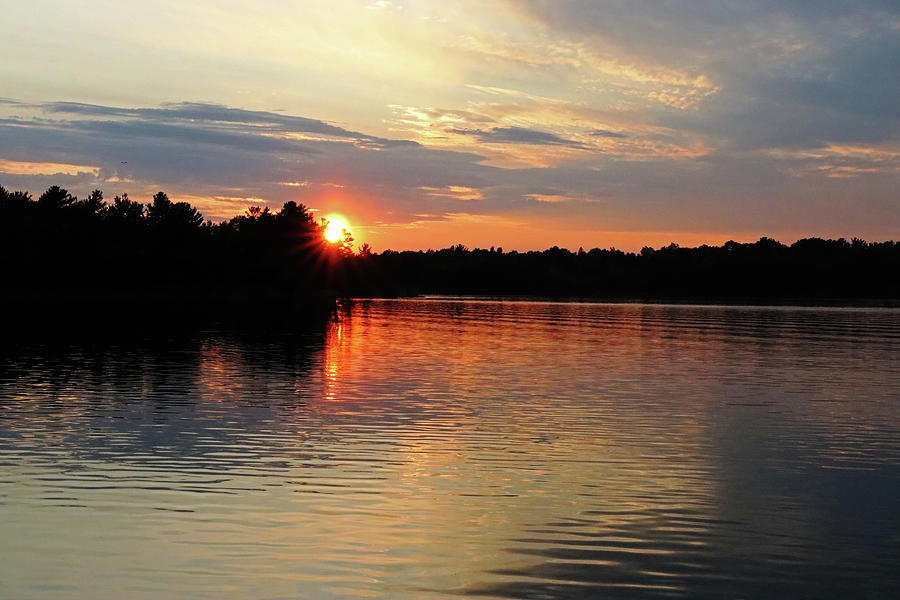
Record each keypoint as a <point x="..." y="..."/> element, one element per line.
<point x="124" y="210"/>
<point x="763" y="270"/>
<point x="56" y="198"/>
<point x="344" y="245"/>
<point x="93" y="205"/>
<point x="162" y="212"/>
<point x="13" y="200"/>
<point x="59" y="243"/>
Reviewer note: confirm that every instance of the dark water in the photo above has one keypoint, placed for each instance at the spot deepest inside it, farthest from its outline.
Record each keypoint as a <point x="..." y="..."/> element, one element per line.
<point x="428" y="449"/>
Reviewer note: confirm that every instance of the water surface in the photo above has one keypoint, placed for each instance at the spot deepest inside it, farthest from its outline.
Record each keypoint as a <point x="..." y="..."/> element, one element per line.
<point x="432" y="448"/>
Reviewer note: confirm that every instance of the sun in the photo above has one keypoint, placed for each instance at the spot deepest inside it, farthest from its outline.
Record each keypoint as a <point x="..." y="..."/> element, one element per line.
<point x="335" y="227"/>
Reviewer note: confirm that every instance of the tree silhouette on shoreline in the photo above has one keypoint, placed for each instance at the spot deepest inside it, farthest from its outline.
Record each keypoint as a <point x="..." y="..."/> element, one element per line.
<point x="811" y="269"/>
<point x="59" y="244"/>
<point x="59" y="251"/>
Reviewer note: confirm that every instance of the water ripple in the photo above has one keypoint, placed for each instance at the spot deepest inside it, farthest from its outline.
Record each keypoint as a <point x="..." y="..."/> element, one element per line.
<point x="429" y="448"/>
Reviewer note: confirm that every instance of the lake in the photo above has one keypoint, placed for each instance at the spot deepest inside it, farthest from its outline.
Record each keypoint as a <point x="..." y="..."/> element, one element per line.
<point x="433" y="448"/>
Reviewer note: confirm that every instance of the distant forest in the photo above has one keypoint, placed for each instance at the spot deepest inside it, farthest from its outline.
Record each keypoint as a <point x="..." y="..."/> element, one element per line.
<point x="810" y="270"/>
<point x="59" y="250"/>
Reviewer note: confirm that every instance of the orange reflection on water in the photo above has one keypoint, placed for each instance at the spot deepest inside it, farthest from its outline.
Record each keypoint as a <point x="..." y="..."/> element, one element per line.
<point x="219" y="372"/>
<point x="346" y="342"/>
<point x="445" y="446"/>
<point x="334" y="355"/>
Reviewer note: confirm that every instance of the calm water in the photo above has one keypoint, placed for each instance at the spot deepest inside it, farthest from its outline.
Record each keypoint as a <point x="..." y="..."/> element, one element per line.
<point x="431" y="449"/>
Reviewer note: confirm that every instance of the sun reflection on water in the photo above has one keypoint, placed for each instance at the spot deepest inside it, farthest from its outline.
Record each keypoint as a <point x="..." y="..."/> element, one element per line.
<point x="420" y="449"/>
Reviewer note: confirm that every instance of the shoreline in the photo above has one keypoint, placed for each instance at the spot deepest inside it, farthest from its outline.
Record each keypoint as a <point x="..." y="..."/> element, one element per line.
<point x="787" y="302"/>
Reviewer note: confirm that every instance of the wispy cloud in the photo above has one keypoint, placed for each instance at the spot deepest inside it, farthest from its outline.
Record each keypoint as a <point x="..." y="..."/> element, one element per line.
<point x="185" y="114"/>
<point x="605" y="133"/>
<point x="456" y="192"/>
<point x="518" y="135"/>
<point x="14" y="167"/>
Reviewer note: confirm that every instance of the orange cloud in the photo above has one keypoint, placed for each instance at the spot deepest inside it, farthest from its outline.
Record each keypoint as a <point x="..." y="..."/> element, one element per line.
<point x="597" y="69"/>
<point x="15" y="167"/>
<point x="456" y="192"/>
<point x="837" y="161"/>
<point x="605" y="134"/>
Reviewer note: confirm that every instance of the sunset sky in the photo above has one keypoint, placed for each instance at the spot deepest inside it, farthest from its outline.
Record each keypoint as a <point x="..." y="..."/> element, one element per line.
<point x="522" y="124"/>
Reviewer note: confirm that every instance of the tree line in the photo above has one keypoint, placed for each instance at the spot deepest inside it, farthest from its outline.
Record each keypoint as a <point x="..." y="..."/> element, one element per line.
<point x="810" y="269"/>
<point x="58" y="250"/>
<point x="57" y="245"/>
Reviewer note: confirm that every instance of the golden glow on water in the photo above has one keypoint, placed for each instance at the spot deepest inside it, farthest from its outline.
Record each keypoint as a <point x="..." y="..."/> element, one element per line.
<point x="423" y="449"/>
<point x="334" y="360"/>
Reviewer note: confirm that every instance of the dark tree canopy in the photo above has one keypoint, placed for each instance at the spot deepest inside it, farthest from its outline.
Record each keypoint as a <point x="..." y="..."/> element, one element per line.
<point x="123" y="210"/>
<point x="809" y="270"/>
<point x="56" y="198"/>
<point x="60" y="245"/>
<point x="164" y="213"/>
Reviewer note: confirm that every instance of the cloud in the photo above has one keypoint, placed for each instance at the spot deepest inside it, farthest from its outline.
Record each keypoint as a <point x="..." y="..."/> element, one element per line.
<point x="214" y="152"/>
<point x="605" y="133"/>
<point x="183" y="114"/>
<point x="518" y="135"/>
<point x="786" y="74"/>
<point x="650" y="179"/>
<point x="568" y="114"/>
<point x="13" y="167"/>
<point x="577" y="128"/>
<point x="458" y="192"/>
<point x="593" y="66"/>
